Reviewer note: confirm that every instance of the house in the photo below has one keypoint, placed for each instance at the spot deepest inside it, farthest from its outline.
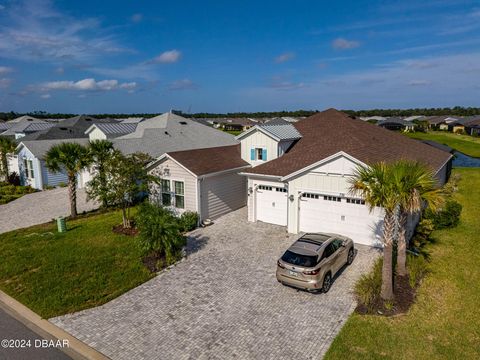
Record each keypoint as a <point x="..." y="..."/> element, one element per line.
<point x="206" y="181"/>
<point x="302" y="182"/>
<point x="104" y="131"/>
<point x="396" y="124"/>
<point x="441" y="122"/>
<point x="30" y="161"/>
<point x="23" y="126"/>
<point x="472" y="127"/>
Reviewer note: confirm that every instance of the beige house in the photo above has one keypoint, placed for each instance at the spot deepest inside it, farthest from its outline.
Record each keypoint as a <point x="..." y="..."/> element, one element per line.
<point x="206" y="181"/>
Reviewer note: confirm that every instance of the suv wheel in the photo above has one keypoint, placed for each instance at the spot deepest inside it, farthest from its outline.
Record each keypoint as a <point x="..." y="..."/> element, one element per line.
<point x="327" y="282"/>
<point x="351" y="255"/>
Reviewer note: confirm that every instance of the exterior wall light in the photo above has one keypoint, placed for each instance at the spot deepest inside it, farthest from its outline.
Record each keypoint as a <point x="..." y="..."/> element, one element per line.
<point x="291" y="198"/>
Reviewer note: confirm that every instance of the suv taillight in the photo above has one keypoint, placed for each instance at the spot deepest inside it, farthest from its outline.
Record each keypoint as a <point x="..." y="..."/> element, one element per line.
<point x="280" y="264"/>
<point x="312" y="272"/>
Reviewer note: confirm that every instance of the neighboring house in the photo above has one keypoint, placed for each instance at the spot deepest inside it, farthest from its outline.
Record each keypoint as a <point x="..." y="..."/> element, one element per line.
<point x="373" y="118"/>
<point x="206" y="181"/>
<point x="306" y="187"/>
<point x="442" y="122"/>
<point x="23" y="126"/>
<point x="396" y="124"/>
<point x="30" y="160"/>
<point x="110" y="131"/>
<point x="472" y="127"/>
<point x="170" y="132"/>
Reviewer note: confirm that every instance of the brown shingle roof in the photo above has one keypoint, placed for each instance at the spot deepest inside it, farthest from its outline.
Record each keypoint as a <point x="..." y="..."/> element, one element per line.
<point x="210" y="160"/>
<point x="331" y="131"/>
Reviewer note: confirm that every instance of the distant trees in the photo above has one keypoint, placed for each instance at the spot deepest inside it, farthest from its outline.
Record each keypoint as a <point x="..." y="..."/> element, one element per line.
<point x="7" y="146"/>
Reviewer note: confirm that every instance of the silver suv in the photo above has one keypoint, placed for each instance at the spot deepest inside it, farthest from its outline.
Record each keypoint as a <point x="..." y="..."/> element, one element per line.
<point x="313" y="260"/>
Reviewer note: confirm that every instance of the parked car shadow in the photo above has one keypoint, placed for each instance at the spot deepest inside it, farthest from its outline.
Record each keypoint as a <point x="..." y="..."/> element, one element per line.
<point x="196" y="242"/>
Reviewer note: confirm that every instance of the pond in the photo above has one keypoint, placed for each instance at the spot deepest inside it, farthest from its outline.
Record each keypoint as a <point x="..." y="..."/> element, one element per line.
<point x="462" y="160"/>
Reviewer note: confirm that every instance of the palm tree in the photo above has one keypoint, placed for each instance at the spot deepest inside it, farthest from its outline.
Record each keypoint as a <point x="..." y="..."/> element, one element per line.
<point x="100" y="151"/>
<point x="72" y="157"/>
<point x="7" y="146"/>
<point x="416" y="187"/>
<point x="377" y="186"/>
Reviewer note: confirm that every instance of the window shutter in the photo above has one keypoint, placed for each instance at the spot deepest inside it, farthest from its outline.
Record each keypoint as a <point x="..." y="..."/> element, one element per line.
<point x="252" y="154"/>
<point x="264" y="154"/>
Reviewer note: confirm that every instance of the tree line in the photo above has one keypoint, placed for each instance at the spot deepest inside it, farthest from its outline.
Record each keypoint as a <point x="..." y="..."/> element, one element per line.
<point x="457" y="110"/>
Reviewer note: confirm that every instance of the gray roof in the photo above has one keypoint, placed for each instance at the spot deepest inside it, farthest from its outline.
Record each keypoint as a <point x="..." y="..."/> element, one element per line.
<point x="38" y="126"/>
<point x="117" y="128"/>
<point x="281" y="129"/>
<point x="169" y="132"/>
<point x="5" y="126"/>
<point x="40" y="147"/>
<point x="20" y="124"/>
<point x="394" y="120"/>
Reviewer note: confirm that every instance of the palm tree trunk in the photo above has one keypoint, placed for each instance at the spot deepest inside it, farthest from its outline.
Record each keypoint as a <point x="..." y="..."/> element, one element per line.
<point x="5" y="166"/>
<point x="72" y="194"/>
<point x="402" y="246"/>
<point x="387" y="268"/>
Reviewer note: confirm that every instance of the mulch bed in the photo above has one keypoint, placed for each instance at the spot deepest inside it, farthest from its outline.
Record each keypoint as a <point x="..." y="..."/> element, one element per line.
<point x="119" y="229"/>
<point x="404" y="298"/>
<point x="152" y="261"/>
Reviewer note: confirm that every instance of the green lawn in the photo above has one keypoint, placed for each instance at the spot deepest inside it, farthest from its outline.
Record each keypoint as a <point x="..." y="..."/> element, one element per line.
<point x="466" y="144"/>
<point x="445" y="321"/>
<point x="54" y="274"/>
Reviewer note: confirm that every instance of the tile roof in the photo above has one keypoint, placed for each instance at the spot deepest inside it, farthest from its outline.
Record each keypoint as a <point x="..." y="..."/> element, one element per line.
<point x="331" y="131"/>
<point x="210" y="160"/>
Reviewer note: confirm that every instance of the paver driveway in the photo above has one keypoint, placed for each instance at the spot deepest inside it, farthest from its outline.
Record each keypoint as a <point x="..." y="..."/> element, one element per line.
<point x="222" y="302"/>
<point x="40" y="207"/>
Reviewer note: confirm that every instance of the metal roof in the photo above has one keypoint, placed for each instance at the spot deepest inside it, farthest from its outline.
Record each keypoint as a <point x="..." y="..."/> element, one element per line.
<point x="281" y="129"/>
<point x="117" y="128"/>
<point x="38" y="127"/>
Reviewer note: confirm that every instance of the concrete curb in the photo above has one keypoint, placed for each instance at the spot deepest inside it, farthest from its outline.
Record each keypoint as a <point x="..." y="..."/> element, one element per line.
<point x="77" y="350"/>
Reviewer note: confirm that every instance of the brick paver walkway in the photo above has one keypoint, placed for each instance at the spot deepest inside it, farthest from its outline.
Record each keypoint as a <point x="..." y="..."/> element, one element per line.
<point x="222" y="302"/>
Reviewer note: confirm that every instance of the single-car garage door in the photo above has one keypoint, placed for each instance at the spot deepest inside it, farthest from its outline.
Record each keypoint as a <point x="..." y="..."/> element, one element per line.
<point x="341" y="215"/>
<point x="271" y="204"/>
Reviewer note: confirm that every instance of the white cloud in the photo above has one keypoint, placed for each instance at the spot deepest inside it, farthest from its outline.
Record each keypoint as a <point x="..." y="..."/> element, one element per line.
<point x="5" y="70"/>
<point x="2" y="7"/>
<point x="284" y="57"/>
<point x="5" y="83"/>
<point x="136" y="18"/>
<point x="45" y="96"/>
<point x="183" y="84"/>
<point x="170" y="56"/>
<point x="89" y="84"/>
<point x="280" y="83"/>
<point x="60" y="70"/>
<point x="344" y="44"/>
<point x="34" y="31"/>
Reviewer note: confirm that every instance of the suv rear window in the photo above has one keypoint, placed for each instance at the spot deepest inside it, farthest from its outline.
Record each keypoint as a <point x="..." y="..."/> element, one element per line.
<point x="299" y="260"/>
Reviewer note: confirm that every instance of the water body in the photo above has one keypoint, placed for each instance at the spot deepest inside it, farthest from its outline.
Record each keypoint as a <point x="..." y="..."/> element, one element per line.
<point x="462" y="160"/>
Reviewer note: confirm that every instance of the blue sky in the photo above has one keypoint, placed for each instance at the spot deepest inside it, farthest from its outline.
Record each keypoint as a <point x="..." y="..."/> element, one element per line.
<point x="225" y="56"/>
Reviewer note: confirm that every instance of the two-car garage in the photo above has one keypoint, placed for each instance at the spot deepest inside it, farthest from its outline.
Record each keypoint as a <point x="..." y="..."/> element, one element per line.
<point x="317" y="212"/>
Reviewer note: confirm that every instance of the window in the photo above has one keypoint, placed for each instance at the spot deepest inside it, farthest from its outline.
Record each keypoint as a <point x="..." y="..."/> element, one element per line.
<point x="299" y="259"/>
<point x="179" y="189"/>
<point x="356" y="201"/>
<point x="310" y="196"/>
<point x="263" y="187"/>
<point x="166" y="194"/>
<point x="259" y="154"/>
<point x="29" y="168"/>
<point x="329" y="251"/>
<point x="332" y="198"/>
<point x="280" y="189"/>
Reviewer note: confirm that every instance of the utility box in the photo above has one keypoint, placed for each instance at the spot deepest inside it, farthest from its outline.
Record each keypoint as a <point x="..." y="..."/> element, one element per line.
<point x="61" y="224"/>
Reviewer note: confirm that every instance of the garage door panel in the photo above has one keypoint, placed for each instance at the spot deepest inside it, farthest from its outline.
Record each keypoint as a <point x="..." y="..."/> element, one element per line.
<point x="271" y="205"/>
<point x="322" y="213"/>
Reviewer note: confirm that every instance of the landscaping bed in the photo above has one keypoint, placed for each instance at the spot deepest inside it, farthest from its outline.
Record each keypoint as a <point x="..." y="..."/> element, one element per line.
<point x="444" y="321"/>
<point x="10" y="192"/>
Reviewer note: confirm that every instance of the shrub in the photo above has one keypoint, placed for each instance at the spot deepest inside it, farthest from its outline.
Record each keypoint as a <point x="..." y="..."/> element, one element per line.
<point x="422" y="233"/>
<point x="188" y="221"/>
<point x="62" y="184"/>
<point x="14" y="179"/>
<point x="447" y="217"/>
<point x="417" y="269"/>
<point x="160" y="232"/>
<point x="368" y="287"/>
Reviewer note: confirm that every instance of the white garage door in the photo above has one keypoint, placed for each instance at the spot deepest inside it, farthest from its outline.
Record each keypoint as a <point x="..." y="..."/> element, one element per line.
<point x="272" y="204"/>
<point x="345" y="216"/>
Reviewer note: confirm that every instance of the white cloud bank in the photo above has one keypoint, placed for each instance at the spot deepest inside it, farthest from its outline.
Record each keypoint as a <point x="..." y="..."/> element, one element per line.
<point x="87" y="85"/>
<point x="170" y="56"/>
<point x="344" y="44"/>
